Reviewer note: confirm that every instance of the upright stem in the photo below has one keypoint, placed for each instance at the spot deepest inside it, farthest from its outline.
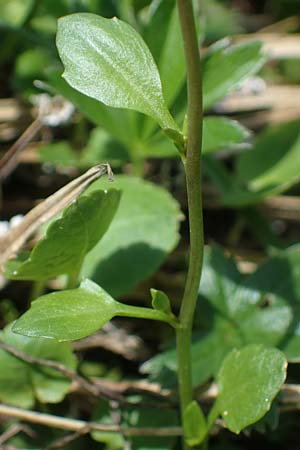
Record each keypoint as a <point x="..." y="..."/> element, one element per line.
<point x="38" y="288"/>
<point x="193" y="183"/>
<point x="73" y="277"/>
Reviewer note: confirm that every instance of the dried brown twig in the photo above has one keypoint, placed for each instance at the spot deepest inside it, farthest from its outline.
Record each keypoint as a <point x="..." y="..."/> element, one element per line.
<point x="62" y="442"/>
<point x="10" y="159"/>
<point x="50" y="111"/>
<point x="96" y="390"/>
<point x="15" y="429"/>
<point x="79" y="425"/>
<point x="275" y="45"/>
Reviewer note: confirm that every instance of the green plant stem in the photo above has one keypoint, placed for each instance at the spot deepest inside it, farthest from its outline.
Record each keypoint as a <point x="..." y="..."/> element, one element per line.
<point x="38" y="288"/>
<point x="73" y="278"/>
<point x="137" y="164"/>
<point x="193" y="183"/>
<point x="147" y="313"/>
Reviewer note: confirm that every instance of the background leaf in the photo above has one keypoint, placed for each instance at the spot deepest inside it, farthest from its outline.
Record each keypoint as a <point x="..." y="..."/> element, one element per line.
<point x="136" y="417"/>
<point x="15" y="12"/>
<point x="222" y="133"/>
<point x="58" y="154"/>
<point x="101" y="146"/>
<point x="162" y="34"/>
<point x="21" y="383"/>
<point x="103" y="413"/>
<point x="248" y="381"/>
<point x="273" y="164"/>
<point x="220" y="21"/>
<point x="225" y="68"/>
<point x="144" y="231"/>
<point x="262" y="308"/>
<point x="149" y="417"/>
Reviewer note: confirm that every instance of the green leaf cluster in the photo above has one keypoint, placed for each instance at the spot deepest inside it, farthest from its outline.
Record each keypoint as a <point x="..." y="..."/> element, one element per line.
<point x="224" y="69"/>
<point x="259" y="309"/>
<point x="270" y="167"/>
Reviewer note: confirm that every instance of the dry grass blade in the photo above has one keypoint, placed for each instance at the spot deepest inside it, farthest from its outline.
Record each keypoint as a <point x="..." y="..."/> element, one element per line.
<point x="275" y="45"/>
<point x="64" y="423"/>
<point x="12" y="241"/>
<point x="274" y="104"/>
<point x="61" y="443"/>
<point x="10" y="160"/>
<point x="14" y="430"/>
<point x="10" y="110"/>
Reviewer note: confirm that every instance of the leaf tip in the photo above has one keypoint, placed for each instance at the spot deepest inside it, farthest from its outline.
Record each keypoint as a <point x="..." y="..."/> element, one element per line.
<point x="17" y="328"/>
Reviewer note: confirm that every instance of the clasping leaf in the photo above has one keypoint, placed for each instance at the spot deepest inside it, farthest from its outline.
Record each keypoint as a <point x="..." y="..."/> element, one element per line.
<point x="194" y="424"/>
<point x="248" y="381"/>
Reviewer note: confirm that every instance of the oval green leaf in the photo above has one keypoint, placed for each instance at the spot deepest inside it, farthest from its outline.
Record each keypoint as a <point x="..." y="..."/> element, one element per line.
<point x="106" y="59"/>
<point x="68" y="315"/>
<point x="248" y="381"/>
<point x="76" y="313"/>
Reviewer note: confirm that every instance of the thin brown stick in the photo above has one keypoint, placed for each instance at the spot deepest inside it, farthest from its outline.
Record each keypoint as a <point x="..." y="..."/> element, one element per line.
<point x="290" y="393"/>
<point x="15" y="429"/>
<point x="78" y="425"/>
<point x="10" y="160"/>
<point x="62" y="442"/>
<point x="94" y="389"/>
<point x="8" y="447"/>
